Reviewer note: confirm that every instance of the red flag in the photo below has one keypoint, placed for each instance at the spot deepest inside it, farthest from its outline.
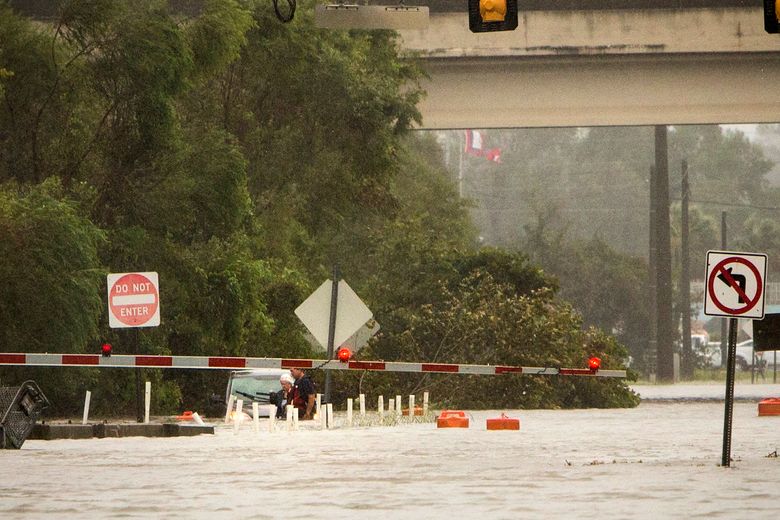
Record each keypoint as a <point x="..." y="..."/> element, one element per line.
<point x="474" y="142"/>
<point x="494" y="154"/>
<point x="475" y="146"/>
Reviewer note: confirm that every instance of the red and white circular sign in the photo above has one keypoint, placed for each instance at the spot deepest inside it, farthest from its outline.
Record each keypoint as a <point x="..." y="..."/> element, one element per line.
<point x="133" y="300"/>
<point x="735" y="284"/>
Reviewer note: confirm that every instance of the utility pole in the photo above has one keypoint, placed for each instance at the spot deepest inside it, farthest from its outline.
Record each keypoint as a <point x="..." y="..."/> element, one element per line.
<point x="462" y="141"/>
<point x="652" y="341"/>
<point x="685" y="279"/>
<point x="724" y="321"/>
<point x="665" y="353"/>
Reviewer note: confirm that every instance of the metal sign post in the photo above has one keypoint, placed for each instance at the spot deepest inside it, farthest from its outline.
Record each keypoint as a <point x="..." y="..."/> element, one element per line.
<point x="729" y="411"/>
<point x="334" y="301"/>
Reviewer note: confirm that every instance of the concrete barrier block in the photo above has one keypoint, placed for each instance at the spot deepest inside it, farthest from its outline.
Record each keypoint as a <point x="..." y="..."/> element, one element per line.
<point x="49" y="432"/>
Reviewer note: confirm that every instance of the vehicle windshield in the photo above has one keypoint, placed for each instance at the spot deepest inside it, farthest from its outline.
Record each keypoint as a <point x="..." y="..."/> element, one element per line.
<point x="254" y="388"/>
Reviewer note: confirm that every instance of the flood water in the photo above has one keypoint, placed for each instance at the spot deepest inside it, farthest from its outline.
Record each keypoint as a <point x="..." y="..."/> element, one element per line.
<point x="659" y="460"/>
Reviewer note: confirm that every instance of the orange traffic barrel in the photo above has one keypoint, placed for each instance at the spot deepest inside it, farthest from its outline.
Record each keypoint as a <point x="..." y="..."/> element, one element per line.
<point x="503" y="423"/>
<point x="769" y="406"/>
<point x="452" y="419"/>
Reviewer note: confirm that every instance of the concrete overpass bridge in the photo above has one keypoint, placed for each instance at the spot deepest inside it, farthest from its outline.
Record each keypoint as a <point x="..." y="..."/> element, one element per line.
<point x="589" y="63"/>
<point x="600" y="62"/>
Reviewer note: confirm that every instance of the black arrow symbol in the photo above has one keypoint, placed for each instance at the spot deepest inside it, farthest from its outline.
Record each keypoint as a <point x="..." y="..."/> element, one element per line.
<point x="740" y="280"/>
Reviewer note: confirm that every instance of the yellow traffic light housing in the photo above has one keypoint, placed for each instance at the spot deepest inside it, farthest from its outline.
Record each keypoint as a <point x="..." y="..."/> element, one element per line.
<point x="772" y="16"/>
<point x="492" y="10"/>
<point x="492" y="15"/>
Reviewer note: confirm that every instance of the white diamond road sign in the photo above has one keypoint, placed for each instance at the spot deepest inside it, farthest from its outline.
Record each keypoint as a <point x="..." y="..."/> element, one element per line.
<point x="351" y="313"/>
<point x="735" y="284"/>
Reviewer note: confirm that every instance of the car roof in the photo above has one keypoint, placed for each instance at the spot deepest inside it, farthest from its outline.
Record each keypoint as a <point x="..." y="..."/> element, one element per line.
<point x="260" y="372"/>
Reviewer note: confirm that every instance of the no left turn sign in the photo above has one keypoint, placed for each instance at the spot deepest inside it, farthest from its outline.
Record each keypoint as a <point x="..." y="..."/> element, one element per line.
<point x="735" y="284"/>
<point x="133" y="300"/>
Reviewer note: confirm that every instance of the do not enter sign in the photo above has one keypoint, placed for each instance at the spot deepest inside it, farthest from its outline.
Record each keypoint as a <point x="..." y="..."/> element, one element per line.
<point x="133" y="300"/>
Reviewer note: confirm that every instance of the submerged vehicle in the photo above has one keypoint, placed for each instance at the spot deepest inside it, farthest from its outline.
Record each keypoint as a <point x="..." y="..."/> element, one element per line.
<point x="256" y="385"/>
<point x="746" y="356"/>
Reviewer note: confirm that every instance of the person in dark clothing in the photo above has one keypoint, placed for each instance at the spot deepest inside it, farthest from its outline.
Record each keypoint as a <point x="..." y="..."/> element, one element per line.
<point x="303" y="394"/>
<point x="282" y="398"/>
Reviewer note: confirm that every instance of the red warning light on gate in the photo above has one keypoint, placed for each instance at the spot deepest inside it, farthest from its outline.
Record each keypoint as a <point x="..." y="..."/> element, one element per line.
<point x="106" y="350"/>
<point x="344" y="354"/>
<point x="594" y="363"/>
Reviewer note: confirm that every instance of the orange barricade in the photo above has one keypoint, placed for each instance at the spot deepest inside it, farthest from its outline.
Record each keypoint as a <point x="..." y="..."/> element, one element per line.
<point x="185" y="416"/>
<point x="452" y="419"/>
<point x="769" y="406"/>
<point x="503" y="423"/>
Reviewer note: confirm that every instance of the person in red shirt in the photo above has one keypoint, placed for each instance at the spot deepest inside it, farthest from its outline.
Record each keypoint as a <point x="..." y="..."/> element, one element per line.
<point x="303" y="394"/>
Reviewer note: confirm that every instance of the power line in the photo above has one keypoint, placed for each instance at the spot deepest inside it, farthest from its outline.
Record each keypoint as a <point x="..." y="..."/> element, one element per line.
<point x="730" y="204"/>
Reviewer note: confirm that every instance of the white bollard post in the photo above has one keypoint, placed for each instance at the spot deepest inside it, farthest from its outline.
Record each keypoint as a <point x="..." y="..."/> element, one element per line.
<point x="362" y="405"/>
<point x="380" y="406"/>
<point x="319" y="403"/>
<point x="238" y="416"/>
<point x="290" y="409"/>
<point x="197" y="419"/>
<point x="322" y="415"/>
<point x="147" y="401"/>
<point x="391" y="407"/>
<point x="86" y="407"/>
<point x="231" y="400"/>
<point x="398" y="405"/>
<point x="256" y="416"/>
<point x="349" y="412"/>
<point x="329" y="408"/>
<point x="425" y="403"/>
<point x="411" y="407"/>
<point x="271" y="418"/>
<point x="296" y="417"/>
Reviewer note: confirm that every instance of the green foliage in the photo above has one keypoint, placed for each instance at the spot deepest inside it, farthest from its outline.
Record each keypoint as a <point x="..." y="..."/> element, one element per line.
<point x="606" y="287"/>
<point x="50" y="295"/>
<point x="217" y="36"/>
<point x="485" y="322"/>
<point x="506" y="268"/>
<point x="4" y="74"/>
<point x="334" y="104"/>
<point x="42" y="95"/>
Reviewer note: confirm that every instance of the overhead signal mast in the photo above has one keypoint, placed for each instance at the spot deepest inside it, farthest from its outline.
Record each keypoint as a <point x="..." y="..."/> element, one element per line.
<point x="772" y="16"/>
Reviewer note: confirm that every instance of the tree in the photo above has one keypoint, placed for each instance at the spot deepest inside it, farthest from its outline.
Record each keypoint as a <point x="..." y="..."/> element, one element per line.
<point x="606" y="287"/>
<point x="43" y="93"/>
<point x="481" y="321"/>
<point x="320" y="133"/>
<point x="51" y="274"/>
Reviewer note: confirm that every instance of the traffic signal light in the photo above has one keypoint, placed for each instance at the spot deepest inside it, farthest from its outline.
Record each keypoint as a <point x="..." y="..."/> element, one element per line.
<point x="493" y="15"/>
<point x="771" y="16"/>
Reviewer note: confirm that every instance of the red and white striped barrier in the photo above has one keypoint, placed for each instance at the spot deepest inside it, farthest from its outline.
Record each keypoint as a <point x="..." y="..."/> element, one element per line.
<point x="223" y="363"/>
